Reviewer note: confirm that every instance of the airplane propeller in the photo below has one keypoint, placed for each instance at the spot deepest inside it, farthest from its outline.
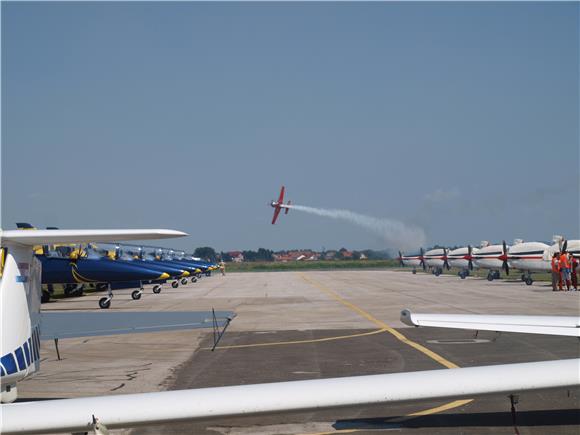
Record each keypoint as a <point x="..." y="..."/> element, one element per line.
<point x="401" y="259"/>
<point x="469" y="257"/>
<point x="422" y="257"/>
<point x="564" y="245"/>
<point x="445" y="262"/>
<point x="505" y="266"/>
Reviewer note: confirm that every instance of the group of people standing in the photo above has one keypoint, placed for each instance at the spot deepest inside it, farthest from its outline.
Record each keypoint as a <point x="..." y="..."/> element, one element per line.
<point x="564" y="266"/>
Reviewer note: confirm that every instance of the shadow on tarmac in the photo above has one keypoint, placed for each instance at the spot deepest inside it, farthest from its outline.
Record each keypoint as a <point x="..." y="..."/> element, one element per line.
<point x="556" y="417"/>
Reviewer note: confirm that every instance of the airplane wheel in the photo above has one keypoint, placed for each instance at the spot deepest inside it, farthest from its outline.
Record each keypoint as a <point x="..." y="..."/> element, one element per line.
<point x="104" y="303"/>
<point x="136" y="295"/>
<point x="529" y="280"/>
<point x="463" y="275"/>
<point x="414" y="272"/>
<point x="523" y="278"/>
<point x="496" y="275"/>
<point x="45" y="297"/>
<point x="183" y="281"/>
<point x="490" y="277"/>
<point x="157" y="289"/>
<point x="174" y="284"/>
<point x="194" y="279"/>
<point x="437" y="273"/>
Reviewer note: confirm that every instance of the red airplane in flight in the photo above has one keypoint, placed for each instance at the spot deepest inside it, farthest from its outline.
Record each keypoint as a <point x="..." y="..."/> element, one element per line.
<point x="279" y="205"/>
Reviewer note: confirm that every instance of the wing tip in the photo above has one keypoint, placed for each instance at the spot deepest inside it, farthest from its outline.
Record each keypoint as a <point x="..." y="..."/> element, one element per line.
<point x="407" y="318"/>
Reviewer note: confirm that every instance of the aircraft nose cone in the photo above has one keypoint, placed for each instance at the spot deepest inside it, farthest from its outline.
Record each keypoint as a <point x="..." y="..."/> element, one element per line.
<point x="164" y="275"/>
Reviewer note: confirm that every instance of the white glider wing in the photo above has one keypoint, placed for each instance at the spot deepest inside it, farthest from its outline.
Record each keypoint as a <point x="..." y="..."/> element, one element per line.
<point x="119" y="411"/>
<point x="48" y="237"/>
<point x="548" y="325"/>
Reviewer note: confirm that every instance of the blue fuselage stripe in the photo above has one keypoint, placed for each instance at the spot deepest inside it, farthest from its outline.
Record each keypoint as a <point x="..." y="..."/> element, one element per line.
<point x="26" y="353"/>
<point x="20" y="358"/>
<point x="9" y="363"/>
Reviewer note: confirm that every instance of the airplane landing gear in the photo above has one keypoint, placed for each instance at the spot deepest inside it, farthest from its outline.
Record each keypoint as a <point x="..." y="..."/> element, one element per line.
<point x="194" y="279"/>
<point x="156" y="289"/>
<point x="45" y="297"/>
<point x="105" y="302"/>
<point x="175" y="284"/>
<point x="183" y="281"/>
<point x="438" y="271"/>
<point x="490" y="276"/>
<point x="527" y="278"/>
<point x="136" y="294"/>
<point x="8" y="394"/>
<point x="463" y="274"/>
<point x="414" y="271"/>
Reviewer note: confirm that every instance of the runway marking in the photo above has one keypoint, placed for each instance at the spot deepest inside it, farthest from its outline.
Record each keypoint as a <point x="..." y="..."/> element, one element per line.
<point x="313" y="340"/>
<point x="434" y="356"/>
<point x="445" y="407"/>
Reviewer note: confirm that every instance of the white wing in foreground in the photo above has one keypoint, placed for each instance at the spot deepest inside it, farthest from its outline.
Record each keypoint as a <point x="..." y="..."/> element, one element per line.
<point x="549" y="325"/>
<point x="75" y="415"/>
<point x="48" y="237"/>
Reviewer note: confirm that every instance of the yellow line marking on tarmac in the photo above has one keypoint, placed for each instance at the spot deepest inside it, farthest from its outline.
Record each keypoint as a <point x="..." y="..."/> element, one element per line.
<point x="434" y="356"/>
<point x="446" y="407"/>
<point x="313" y="340"/>
<point x="437" y="409"/>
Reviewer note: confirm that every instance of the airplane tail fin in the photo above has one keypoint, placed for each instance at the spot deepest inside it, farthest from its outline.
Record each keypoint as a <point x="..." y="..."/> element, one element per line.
<point x="20" y="317"/>
<point x="288" y="209"/>
<point x="24" y="226"/>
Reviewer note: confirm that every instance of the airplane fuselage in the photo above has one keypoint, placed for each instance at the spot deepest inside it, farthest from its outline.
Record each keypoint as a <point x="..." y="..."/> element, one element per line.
<point x="490" y="257"/>
<point x="459" y="258"/>
<point x="435" y="258"/>
<point x="530" y="257"/>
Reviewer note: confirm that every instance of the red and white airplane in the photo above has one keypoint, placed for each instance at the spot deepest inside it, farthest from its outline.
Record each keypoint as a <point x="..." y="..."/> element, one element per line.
<point x="279" y="205"/>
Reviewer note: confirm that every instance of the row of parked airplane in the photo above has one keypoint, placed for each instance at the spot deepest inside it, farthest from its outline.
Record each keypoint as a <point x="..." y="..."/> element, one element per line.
<point x="23" y="325"/>
<point x="526" y="257"/>
<point x="110" y="267"/>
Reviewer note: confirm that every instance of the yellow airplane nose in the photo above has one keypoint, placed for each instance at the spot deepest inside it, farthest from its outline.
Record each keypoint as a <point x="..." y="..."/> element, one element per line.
<point x="164" y="275"/>
<point x="197" y="270"/>
<point x="185" y="273"/>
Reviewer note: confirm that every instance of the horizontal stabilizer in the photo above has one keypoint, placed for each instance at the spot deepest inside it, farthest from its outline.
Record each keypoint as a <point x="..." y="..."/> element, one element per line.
<point x="39" y="237"/>
<point x="70" y="324"/>
<point x="128" y="410"/>
<point x="549" y="325"/>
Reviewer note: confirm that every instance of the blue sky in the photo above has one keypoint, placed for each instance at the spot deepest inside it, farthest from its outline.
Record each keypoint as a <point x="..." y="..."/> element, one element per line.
<point x="460" y="118"/>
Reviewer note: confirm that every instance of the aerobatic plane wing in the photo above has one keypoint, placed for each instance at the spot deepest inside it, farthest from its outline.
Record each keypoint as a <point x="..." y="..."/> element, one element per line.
<point x="48" y="237"/>
<point x="70" y="324"/>
<point x="548" y="325"/>
<point x="121" y="411"/>
<point x="276" y="213"/>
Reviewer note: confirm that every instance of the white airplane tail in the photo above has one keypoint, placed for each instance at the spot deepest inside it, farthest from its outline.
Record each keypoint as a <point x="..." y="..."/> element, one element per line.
<point x="20" y="312"/>
<point x="20" y="294"/>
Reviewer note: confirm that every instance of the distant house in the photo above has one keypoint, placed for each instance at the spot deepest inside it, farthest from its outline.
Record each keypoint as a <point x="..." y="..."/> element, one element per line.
<point x="237" y="256"/>
<point x="346" y="253"/>
<point x="330" y="255"/>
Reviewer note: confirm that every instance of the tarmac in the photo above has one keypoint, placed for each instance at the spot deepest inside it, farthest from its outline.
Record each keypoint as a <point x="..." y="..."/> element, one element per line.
<point x="311" y="325"/>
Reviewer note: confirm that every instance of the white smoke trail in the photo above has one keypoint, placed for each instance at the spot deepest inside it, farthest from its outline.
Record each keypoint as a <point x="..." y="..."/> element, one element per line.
<point x="396" y="234"/>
